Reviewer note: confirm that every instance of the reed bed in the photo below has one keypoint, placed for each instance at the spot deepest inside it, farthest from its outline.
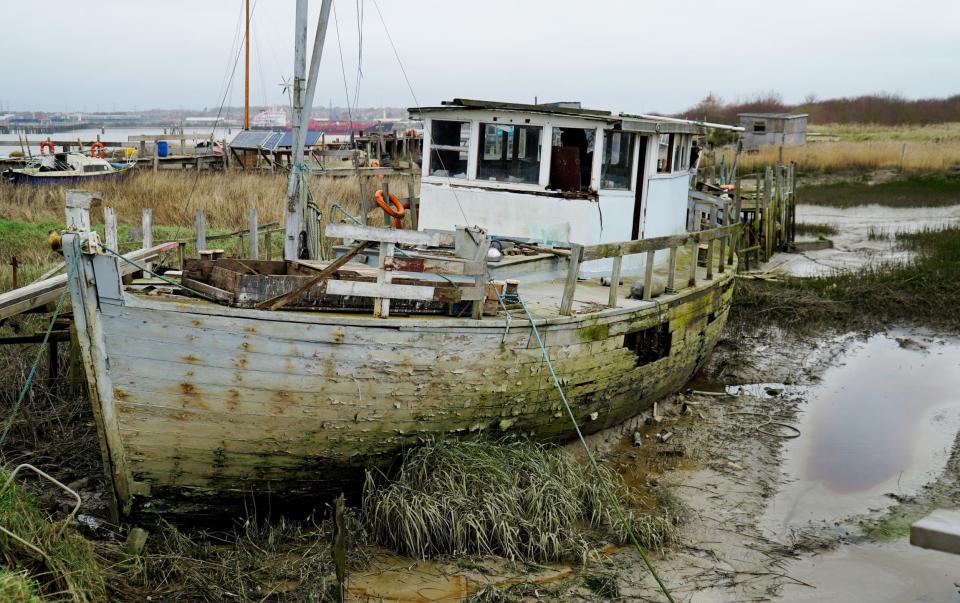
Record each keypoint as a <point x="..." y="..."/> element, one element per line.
<point x="175" y="196"/>
<point x="812" y="229"/>
<point x="519" y="500"/>
<point x="858" y="156"/>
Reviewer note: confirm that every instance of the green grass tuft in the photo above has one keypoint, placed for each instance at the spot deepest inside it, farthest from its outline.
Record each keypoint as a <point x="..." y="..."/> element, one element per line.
<point x="518" y="500"/>
<point x="931" y="190"/>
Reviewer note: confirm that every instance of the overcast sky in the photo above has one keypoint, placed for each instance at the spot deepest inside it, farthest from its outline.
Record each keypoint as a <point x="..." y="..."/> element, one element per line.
<point x="632" y="56"/>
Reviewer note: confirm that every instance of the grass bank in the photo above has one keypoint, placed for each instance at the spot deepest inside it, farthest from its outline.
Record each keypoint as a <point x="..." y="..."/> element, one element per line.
<point x="924" y="291"/>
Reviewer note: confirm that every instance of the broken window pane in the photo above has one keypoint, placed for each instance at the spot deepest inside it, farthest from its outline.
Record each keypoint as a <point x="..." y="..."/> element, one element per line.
<point x="760" y="127"/>
<point x="449" y="148"/>
<point x="509" y="153"/>
<point x="571" y="159"/>
<point x="617" y="167"/>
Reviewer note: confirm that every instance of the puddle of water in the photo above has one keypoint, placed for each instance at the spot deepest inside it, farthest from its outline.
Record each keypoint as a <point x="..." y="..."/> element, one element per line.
<point x="880" y="573"/>
<point x="884" y="420"/>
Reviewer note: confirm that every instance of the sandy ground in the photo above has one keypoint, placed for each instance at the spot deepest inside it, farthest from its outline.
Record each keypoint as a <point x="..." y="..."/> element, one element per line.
<point x="853" y="247"/>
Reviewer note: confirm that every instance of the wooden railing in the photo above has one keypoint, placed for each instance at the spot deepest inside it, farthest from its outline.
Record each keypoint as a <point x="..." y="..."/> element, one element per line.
<point x="725" y="236"/>
<point x="410" y="261"/>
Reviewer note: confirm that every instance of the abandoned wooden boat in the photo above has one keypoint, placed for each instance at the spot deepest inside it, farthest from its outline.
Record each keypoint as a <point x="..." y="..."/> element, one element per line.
<point x="200" y="392"/>
<point x="65" y="169"/>
<point x="290" y="377"/>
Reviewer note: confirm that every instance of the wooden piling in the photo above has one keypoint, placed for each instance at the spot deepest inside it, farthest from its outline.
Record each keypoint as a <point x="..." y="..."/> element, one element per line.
<point x="254" y="234"/>
<point x="201" y="232"/>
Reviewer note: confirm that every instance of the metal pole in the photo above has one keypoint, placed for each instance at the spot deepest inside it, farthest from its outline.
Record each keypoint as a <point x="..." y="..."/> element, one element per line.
<point x="246" y="73"/>
<point x="294" y="209"/>
<point x="302" y="104"/>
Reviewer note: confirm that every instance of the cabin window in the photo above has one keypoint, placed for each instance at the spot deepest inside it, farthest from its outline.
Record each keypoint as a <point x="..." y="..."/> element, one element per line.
<point x="760" y="127"/>
<point x="680" y="153"/>
<point x="571" y="159"/>
<point x="94" y="168"/>
<point x="617" y="167"/>
<point x="509" y="153"/>
<point x="665" y="153"/>
<point x="449" y="148"/>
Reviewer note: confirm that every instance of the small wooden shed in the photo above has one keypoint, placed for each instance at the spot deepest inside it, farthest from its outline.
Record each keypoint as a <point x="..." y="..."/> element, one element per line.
<point x="760" y="129"/>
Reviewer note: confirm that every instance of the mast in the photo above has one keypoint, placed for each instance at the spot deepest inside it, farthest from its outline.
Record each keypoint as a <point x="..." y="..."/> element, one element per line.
<point x="246" y="73"/>
<point x="302" y="103"/>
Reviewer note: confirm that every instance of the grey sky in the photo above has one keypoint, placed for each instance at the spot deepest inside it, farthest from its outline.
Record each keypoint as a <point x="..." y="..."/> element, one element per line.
<point x="636" y="56"/>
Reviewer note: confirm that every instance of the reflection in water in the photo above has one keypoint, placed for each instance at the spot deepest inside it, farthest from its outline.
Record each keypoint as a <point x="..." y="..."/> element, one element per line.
<point x="882" y="420"/>
<point x="867" y="416"/>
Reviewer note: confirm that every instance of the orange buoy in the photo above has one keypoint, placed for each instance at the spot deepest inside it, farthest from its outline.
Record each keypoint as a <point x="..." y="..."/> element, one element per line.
<point x="97" y="149"/>
<point x="394" y="209"/>
<point x="47" y="144"/>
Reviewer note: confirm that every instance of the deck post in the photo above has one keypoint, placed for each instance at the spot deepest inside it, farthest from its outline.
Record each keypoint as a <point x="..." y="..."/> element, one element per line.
<point x="156" y="157"/>
<point x="566" y="303"/>
<point x="710" y="259"/>
<point x="254" y="235"/>
<point x="648" y="276"/>
<point x="381" y="305"/>
<point x="672" y="276"/>
<point x="694" y="247"/>
<point x="201" y="232"/>
<point x="615" y="281"/>
<point x="767" y="213"/>
<point x="363" y="201"/>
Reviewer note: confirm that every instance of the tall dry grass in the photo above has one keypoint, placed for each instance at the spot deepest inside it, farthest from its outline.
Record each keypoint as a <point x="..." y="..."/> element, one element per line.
<point x="841" y="156"/>
<point x="175" y="197"/>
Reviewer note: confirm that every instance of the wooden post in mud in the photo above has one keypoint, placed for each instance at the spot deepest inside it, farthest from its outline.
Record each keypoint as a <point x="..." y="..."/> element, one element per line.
<point x="146" y="223"/>
<point x="414" y="205"/>
<point x="110" y="228"/>
<point x="254" y="235"/>
<point x="363" y="201"/>
<point x="767" y="217"/>
<point x="201" y="232"/>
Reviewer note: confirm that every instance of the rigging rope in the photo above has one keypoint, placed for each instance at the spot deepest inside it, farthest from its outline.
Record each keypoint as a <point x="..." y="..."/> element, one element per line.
<point x="593" y="462"/>
<point x="416" y="103"/>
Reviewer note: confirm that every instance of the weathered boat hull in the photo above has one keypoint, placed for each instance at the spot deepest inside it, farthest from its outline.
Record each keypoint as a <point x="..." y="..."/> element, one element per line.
<point x="20" y="178"/>
<point x="198" y="399"/>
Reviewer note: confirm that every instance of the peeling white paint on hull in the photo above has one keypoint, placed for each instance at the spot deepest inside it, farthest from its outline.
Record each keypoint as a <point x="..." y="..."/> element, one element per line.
<point x="196" y="398"/>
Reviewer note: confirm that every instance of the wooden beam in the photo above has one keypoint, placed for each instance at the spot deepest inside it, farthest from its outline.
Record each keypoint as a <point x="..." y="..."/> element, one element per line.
<point x="278" y="302"/>
<point x="382" y="235"/>
<point x="615" y="281"/>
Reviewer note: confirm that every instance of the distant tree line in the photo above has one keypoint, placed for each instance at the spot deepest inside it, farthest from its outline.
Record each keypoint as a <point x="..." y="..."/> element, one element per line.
<point x="886" y="109"/>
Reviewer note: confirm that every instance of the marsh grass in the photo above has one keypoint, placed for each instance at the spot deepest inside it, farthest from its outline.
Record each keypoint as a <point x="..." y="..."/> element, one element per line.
<point x="922" y="156"/>
<point x="28" y="213"/>
<point x="519" y="500"/>
<point x="17" y="587"/>
<point x="258" y="561"/>
<point x="808" y="229"/>
<point x="923" y="291"/>
<point x="68" y="569"/>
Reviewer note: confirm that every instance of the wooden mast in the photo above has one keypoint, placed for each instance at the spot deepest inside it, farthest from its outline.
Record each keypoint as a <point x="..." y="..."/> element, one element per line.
<point x="246" y="72"/>
<point x="302" y="103"/>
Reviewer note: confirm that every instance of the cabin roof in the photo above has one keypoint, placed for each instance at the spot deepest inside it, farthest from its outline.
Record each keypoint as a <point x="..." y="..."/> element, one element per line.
<point x="774" y="115"/>
<point x="655" y="122"/>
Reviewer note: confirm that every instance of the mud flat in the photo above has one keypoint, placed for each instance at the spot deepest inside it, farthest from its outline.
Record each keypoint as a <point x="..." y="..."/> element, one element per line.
<point x="866" y="236"/>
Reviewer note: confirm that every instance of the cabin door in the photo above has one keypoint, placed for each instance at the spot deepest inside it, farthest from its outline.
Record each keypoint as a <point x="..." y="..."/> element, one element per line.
<point x="639" y="186"/>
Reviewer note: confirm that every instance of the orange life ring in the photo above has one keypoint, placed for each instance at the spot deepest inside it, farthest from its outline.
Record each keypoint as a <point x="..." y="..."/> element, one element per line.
<point x="374" y="163"/>
<point x="97" y="149"/>
<point x="396" y="212"/>
<point x="45" y="144"/>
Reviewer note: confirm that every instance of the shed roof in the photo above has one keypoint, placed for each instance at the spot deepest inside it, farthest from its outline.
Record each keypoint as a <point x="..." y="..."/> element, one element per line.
<point x="774" y="115"/>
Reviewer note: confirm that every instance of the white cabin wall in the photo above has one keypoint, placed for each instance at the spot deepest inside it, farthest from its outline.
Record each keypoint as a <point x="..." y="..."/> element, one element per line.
<point x="510" y="213"/>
